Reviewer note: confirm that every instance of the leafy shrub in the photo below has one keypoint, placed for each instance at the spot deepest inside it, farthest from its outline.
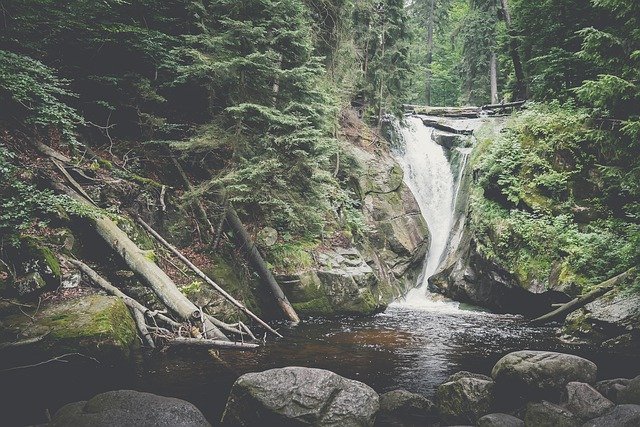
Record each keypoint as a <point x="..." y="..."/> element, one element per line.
<point x="33" y="89"/>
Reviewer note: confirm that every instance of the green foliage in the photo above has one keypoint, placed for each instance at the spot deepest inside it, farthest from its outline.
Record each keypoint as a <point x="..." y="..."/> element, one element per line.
<point x="551" y="199"/>
<point x="33" y="92"/>
<point x="25" y="208"/>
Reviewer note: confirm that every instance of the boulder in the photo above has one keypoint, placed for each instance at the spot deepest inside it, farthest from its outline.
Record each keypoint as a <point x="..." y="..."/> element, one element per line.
<point x="403" y="408"/>
<point x="585" y="401"/>
<point x="465" y="399"/>
<point x="611" y="388"/>
<point x="620" y="416"/>
<point x="631" y="393"/>
<point x="533" y="375"/>
<point x="296" y="396"/>
<point x="546" y="414"/>
<point x="612" y="320"/>
<point x="129" y="408"/>
<point x="500" y="420"/>
<point x="95" y="325"/>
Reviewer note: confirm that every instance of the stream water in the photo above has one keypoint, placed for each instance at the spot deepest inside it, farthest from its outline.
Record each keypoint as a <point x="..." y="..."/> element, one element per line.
<point x="414" y="345"/>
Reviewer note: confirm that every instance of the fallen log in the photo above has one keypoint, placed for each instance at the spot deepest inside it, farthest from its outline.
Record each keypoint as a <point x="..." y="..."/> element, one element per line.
<point x="136" y="260"/>
<point x="503" y="105"/>
<point x="581" y="301"/>
<point x="199" y="342"/>
<point x="443" y="127"/>
<point x="204" y="277"/>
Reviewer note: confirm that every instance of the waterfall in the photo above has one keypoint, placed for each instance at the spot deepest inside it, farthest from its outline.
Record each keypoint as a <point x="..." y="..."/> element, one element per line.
<point x="428" y="175"/>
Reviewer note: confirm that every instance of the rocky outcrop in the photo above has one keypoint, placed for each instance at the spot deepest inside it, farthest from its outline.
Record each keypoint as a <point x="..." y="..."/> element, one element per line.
<point x="612" y="321"/>
<point x="464" y="398"/>
<point x="473" y="279"/>
<point x="341" y="284"/>
<point x="382" y="264"/>
<point x="398" y="237"/>
<point x="631" y="393"/>
<point x="403" y="408"/>
<point x="94" y="325"/>
<point x="296" y="396"/>
<point x="129" y="408"/>
<point x="530" y="375"/>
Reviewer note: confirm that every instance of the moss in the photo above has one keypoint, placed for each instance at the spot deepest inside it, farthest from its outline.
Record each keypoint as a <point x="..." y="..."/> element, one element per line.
<point x="315" y="307"/>
<point x="106" y="164"/>
<point x="192" y="288"/>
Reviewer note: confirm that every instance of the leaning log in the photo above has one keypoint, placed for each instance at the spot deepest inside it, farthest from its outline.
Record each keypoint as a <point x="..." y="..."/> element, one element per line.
<point x="204" y="277"/>
<point x="251" y="252"/>
<point x="579" y="302"/>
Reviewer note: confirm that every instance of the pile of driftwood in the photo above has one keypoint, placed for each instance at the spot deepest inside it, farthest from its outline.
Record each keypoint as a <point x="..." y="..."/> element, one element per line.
<point x="193" y="326"/>
<point x="464" y="112"/>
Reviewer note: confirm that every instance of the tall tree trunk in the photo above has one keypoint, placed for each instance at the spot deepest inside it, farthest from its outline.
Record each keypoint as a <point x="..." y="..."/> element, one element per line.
<point x="521" y="85"/>
<point x="430" y="27"/>
<point x="493" y="71"/>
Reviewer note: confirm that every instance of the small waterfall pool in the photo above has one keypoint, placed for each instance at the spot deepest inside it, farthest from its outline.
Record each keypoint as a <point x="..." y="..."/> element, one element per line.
<point x="414" y="345"/>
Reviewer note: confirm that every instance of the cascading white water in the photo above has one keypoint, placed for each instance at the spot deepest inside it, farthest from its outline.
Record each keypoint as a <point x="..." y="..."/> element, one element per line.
<point x="428" y="174"/>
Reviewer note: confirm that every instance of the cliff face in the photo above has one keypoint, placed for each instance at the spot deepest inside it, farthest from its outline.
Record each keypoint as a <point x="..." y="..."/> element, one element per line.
<point x="382" y="263"/>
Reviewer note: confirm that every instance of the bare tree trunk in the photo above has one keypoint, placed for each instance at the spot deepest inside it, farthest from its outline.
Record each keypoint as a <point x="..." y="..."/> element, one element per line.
<point x="430" y="28"/>
<point x="493" y="72"/>
<point x="521" y="85"/>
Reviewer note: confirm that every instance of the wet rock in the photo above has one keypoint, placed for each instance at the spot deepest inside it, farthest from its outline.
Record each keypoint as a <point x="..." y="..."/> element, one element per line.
<point x="620" y="416"/>
<point x="469" y="277"/>
<point x="611" y="388"/>
<point x="449" y="139"/>
<point x="546" y="414"/>
<point x="403" y="408"/>
<point x="94" y="325"/>
<point x="631" y="394"/>
<point x="585" y="401"/>
<point x="268" y="236"/>
<point x="500" y="420"/>
<point x="612" y="320"/>
<point x="533" y="375"/>
<point x="296" y="396"/>
<point x="36" y="266"/>
<point x="465" y="399"/>
<point x="129" y="408"/>
<point x="467" y="374"/>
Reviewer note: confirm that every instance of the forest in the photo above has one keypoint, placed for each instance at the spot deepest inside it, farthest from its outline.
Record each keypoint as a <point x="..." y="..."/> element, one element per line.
<point x="231" y="185"/>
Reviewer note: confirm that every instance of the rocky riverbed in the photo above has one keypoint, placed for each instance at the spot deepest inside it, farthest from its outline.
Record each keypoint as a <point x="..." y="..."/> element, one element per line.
<point x="526" y="388"/>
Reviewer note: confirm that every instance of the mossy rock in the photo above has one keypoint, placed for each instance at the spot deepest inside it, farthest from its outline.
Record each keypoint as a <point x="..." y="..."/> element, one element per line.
<point x="94" y="325"/>
<point x="37" y="268"/>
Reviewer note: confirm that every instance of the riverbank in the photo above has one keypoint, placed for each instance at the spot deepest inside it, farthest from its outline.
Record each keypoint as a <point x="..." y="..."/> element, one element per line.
<point x="409" y="349"/>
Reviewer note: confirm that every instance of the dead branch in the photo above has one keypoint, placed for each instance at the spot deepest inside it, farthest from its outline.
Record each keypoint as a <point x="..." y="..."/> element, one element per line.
<point x="204" y="277"/>
<point x="211" y="343"/>
<point x="60" y="358"/>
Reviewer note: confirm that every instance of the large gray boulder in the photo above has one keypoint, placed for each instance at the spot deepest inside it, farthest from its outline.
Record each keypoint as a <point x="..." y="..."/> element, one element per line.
<point x="585" y="401"/>
<point x="534" y="375"/>
<point x="620" y="416"/>
<point x="546" y="414"/>
<point x="296" y="396"/>
<point x="129" y="408"/>
<point x="403" y="408"/>
<point x="464" y="399"/>
<point x="631" y="393"/>
<point x="500" y="420"/>
<point x="611" y="388"/>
